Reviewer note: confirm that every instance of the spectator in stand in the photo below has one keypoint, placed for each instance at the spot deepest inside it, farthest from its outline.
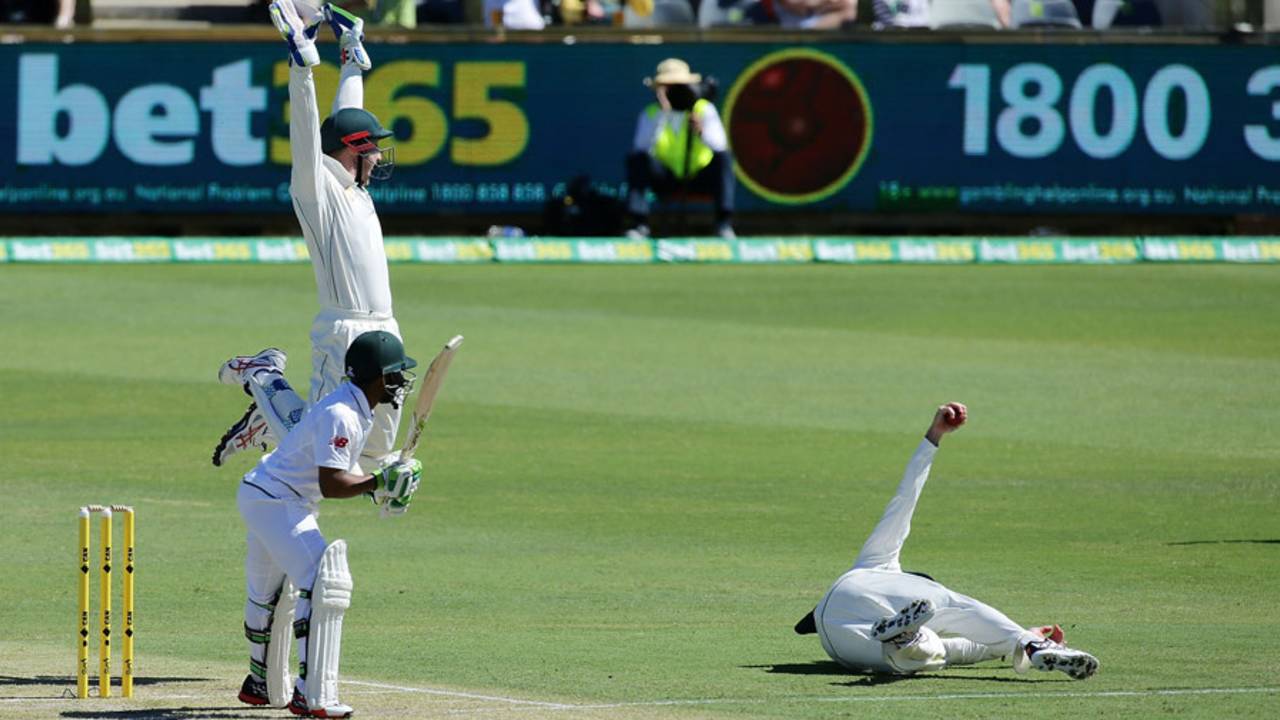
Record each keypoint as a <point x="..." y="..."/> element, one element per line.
<point x="578" y="12"/>
<point x="815" y="14"/>
<point x="59" y="13"/>
<point x="390" y="13"/>
<point x="1003" y="11"/>
<point x="1189" y="14"/>
<point x="963" y="14"/>
<point x="514" y="14"/>
<point x="899" y="13"/>
<point x="440" y="12"/>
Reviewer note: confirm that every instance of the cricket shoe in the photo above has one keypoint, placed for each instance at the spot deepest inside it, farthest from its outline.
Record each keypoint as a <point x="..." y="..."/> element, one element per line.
<point x="298" y="706"/>
<point x="901" y="629"/>
<point x="1048" y="655"/>
<point x="240" y="368"/>
<point x="249" y="432"/>
<point x="254" y="691"/>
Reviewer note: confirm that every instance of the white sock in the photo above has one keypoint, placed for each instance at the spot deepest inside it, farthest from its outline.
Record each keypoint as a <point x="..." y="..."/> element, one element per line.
<point x="963" y="651"/>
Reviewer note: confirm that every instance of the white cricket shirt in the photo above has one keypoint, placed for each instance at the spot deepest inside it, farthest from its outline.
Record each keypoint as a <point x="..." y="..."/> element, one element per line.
<point x="339" y="222"/>
<point x="332" y="434"/>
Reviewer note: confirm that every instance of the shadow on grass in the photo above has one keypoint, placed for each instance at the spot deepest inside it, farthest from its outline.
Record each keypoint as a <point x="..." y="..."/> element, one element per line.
<point x="824" y="667"/>
<point x="178" y="713"/>
<point x="1225" y="542"/>
<point x="828" y="667"/>
<point x="69" y="680"/>
<point x="961" y="674"/>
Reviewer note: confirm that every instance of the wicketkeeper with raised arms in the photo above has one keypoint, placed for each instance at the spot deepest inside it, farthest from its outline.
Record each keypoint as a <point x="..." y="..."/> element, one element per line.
<point x="333" y="164"/>
<point x="278" y="500"/>
<point x="878" y="618"/>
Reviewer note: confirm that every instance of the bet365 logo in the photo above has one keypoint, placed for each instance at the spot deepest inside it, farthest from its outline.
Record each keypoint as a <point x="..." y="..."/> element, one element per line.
<point x="69" y="123"/>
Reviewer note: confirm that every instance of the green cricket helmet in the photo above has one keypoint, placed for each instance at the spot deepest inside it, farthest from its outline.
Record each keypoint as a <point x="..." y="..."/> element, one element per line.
<point x="374" y="354"/>
<point x="359" y="130"/>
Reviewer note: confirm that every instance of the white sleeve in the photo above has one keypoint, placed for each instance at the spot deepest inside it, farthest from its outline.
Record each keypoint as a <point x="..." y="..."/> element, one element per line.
<point x="337" y="441"/>
<point x="713" y="134"/>
<point x="304" y="137"/>
<point x="646" y="130"/>
<point x="350" y="88"/>
<point x="884" y="545"/>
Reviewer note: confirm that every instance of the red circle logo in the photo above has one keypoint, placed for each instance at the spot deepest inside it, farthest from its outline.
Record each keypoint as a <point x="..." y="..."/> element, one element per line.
<point x="800" y="126"/>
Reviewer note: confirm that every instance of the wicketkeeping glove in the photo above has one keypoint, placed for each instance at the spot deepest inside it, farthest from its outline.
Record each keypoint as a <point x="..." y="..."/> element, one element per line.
<point x="299" y="37"/>
<point x="349" y="31"/>
<point x="397" y="481"/>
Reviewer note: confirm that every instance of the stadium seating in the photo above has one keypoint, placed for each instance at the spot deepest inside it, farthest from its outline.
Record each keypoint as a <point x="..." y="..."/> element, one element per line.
<point x="1125" y="13"/>
<point x="662" y="13"/>
<point x="1044" y="14"/>
<point x="673" y="13"/>
<point x="962" y="15"/>
<point x="722" y="13"/>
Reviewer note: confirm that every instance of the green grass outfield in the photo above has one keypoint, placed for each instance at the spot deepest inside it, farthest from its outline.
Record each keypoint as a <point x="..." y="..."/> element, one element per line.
<point x="639" y="478"/>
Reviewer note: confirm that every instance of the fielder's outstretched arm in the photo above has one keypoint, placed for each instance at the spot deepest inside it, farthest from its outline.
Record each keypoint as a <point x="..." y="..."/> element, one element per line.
<point x="350" y="88"/>
<point x="884" y="546"/>
<point x="304" y="139"/>
<point x="304" y="120"/>
<point x="348" y="30"/>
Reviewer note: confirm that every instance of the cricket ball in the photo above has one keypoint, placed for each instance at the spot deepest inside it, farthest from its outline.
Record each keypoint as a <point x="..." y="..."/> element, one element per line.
<point x="957" y="418"/>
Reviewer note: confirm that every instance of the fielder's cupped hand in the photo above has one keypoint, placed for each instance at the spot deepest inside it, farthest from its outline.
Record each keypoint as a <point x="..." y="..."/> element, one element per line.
<point x="949" y="417"/>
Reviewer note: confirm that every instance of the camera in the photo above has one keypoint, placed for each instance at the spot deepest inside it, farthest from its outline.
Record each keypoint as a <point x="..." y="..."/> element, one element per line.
<point x="682" y="97"/>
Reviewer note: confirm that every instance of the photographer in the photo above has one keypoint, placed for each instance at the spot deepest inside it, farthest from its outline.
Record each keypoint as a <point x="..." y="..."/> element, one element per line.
<point x="680" y="145"/>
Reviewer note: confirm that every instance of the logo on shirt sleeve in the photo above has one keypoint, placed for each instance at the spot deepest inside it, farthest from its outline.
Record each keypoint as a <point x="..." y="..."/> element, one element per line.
<point x="339" y="442"/>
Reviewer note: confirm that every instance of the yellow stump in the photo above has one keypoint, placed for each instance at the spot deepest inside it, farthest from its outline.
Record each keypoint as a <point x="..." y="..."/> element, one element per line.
<point x="126" y="655"/>
<point x="82" y="640"/>
<point x="104" y="604"/>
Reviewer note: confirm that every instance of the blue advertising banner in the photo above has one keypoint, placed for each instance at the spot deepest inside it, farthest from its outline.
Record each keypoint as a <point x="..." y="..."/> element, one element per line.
<point x="202" y="127"/>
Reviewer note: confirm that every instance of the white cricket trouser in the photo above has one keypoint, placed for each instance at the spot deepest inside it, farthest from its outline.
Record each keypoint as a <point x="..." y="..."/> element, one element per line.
<point x="283" y="540"/>
<point x="332" y="333"/>
<point x="876" y="587"/>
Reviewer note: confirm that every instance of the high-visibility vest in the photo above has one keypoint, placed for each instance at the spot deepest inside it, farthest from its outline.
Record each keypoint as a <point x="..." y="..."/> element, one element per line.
<point x="672" y="139"/>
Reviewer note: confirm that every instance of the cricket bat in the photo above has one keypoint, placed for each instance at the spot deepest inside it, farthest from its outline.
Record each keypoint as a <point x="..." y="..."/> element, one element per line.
<point x="432" y="380"/>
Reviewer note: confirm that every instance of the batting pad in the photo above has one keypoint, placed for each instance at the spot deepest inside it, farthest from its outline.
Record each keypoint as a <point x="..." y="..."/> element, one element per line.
<point x="330" y="598"/>
<point x="279" y="683"/>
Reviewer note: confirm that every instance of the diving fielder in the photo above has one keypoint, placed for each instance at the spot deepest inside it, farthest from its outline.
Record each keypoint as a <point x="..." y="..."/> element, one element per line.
<point x="278" y="500"/>
<point x="877" y="618"/>
<point x="333" y="163"/>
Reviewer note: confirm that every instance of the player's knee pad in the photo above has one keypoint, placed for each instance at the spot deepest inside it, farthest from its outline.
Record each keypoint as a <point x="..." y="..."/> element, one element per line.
<point x="926" y="652"/>
<point x="330" y="598"/>
<point x="279" y="404"/>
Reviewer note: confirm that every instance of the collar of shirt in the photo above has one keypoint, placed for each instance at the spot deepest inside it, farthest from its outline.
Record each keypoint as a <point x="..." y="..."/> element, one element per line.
<point x="361" y="402"/>
<point x="339" y="173"/>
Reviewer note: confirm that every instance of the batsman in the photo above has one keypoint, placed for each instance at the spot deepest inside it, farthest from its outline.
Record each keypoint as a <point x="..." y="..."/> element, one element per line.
<point x="333" y="164"/>
<point x="278" y="500"/>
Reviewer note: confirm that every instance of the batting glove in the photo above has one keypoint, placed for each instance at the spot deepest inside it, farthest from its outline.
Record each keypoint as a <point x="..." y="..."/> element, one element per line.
<point x="296" y="34"/>
<point x="397" y="481"/>
<point x="349" y="31"/>
<point x="392" y="508"/>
